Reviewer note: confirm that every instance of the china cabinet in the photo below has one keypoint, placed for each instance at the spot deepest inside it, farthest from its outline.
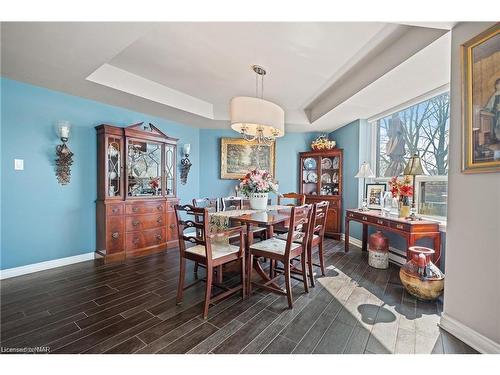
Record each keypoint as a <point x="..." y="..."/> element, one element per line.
<point x="136" y="191"/>
<point x="320" y="179"/>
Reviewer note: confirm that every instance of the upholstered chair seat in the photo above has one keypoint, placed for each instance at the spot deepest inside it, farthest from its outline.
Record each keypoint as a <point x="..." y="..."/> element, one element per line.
<point x="273" y="245"/>
<point x="218" y="250"/>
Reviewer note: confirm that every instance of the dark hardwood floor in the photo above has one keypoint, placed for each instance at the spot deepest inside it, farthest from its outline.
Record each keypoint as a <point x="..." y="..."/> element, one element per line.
<point x="130" y="308"/>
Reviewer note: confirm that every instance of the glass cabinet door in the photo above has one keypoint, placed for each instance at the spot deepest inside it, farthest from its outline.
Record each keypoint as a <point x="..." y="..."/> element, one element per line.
<point x="329" y="175"/>
<point x="114" y="166"/>
<point x="144" y="169"/>
<point x="169" y="169"/>
<point x="309" y="170"/>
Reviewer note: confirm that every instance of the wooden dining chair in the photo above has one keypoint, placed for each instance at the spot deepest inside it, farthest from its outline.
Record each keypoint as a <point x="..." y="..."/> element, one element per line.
<point x="298" y="199"/>
<point x="231" y="203"/>
<point x="315" y="238"/>
<point x="206" y="251"/>
<point x="212" y="205"/>
<point x="284" y="251"/>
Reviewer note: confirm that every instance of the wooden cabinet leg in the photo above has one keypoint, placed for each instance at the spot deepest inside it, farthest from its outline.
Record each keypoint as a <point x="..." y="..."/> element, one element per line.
<point x="437" y="249"/>
<point x="346" y="235"/>
<point x="365" y="237"/>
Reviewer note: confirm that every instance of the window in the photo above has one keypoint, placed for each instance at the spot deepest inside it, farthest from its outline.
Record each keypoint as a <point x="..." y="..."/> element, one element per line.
<point x="422" y="128"/>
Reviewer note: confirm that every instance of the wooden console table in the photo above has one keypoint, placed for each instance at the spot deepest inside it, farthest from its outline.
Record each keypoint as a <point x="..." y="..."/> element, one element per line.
<point x="410" y="230"/>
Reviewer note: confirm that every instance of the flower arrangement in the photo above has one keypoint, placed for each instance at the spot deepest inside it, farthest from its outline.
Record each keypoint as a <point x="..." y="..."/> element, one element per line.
<point x="257" y="181"/>
<point x="401" y="189"/>
<point x="322" y="143"/>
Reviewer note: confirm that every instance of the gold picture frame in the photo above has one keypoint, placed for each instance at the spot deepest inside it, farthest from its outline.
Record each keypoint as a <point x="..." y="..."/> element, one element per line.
<point x="480" y="102"/>
<point x="238" y="156"/>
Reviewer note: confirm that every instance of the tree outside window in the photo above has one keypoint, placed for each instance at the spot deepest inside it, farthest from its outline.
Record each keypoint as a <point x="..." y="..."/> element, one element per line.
<point x="424" y="129"/>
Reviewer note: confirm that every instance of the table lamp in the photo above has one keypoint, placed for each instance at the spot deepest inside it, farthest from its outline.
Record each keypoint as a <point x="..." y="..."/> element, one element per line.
<point x="414" y="168"/>
<point x="364" y="172"/>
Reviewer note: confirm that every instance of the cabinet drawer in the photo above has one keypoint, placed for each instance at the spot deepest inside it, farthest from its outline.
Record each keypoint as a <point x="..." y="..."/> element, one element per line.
<point x="114" y="234"/>
<point x="141" y="222"/>
<point x="379" y="221"/>
<point x="146" y="238"/>
<point x="145" y="208"/>
<point x="114" y="209"/>
<point x="171" y="227"/>
<point x="400" y="226"/>
<point x="171" y="204"/>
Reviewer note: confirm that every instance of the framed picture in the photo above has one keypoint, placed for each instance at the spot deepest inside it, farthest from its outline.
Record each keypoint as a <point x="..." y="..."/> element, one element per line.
<point x="238" y="156"/>
<point x="481" y="102"/>
<point x="374" y="194"/>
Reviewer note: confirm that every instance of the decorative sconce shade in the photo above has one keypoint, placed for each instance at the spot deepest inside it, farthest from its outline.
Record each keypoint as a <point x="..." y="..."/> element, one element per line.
<point x="365" y="171"/>
<point x="414" y="166"/>
<point x="185" y="163"/>
<point x="251" y="116"/>
<point x="64" y="155"/>
<point x="63" y="129"/>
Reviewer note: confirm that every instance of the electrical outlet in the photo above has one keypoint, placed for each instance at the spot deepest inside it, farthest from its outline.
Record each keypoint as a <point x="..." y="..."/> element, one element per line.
<point x="18" y="164"/>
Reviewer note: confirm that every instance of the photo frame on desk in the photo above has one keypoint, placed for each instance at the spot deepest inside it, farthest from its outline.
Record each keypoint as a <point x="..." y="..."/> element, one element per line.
<point x="374" y="194"/>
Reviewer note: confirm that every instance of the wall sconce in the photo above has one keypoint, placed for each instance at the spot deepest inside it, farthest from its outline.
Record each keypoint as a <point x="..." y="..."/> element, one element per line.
<point x="185" y="163"/>
<point x="64" y="154"/>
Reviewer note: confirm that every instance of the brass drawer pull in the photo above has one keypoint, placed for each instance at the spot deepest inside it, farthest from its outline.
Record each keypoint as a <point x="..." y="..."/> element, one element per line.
<point x="159" y="207"/>
<point x="136" y="240"/>
<point x="351" y="215"/>
<point x="172" y="226"/>
<point x="158" y="237"/>
<point x="135" y="223"/>
<point x="380" y="222"/>
<point x="115" y="210"/>
<point x="135" y="209"/>
<point x="115" y="235"/>
<point x="365" y="218"/>
<point x="159" y="220"/>
<point x="399" y="226"/>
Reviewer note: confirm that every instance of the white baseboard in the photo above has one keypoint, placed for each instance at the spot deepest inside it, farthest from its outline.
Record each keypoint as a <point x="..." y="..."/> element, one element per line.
<point x="472" y="338"/>
<point x="30" y="268"/>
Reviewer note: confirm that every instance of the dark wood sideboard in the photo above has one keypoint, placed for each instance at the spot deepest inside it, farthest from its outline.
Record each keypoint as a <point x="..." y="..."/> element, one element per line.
<point x="410" y="230"/>
<point x="133" y="217"/>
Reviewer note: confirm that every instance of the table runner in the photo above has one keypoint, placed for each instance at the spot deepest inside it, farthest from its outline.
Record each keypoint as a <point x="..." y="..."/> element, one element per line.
<point x="219" y="221"/>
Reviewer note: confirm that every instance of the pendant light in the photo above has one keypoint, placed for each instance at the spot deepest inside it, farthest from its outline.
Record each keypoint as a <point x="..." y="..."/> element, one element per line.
<point x="257" y="119"/>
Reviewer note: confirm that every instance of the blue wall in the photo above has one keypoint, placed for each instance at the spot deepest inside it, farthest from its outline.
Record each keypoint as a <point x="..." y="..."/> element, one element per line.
<point x="42" y="220"/>
<point x="347" y="138"/>
<point x="287" y="149"/>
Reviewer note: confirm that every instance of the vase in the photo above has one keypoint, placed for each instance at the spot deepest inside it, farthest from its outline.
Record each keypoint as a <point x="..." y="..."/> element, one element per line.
<point x="419" y="276"/>
<point x="378" y="250"/>
<point x="404" y="207"/>
<point x="258" y="201"/>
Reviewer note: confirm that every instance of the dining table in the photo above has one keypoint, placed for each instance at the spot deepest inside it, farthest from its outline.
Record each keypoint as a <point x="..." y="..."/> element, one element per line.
<point x="248" y="218"/>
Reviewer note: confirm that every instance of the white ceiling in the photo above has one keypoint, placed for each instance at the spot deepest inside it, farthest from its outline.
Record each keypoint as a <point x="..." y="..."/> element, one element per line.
<point x="188" y="72"/>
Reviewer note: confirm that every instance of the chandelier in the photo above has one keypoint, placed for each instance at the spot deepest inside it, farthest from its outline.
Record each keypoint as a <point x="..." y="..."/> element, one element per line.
<point x="257" y="119"/>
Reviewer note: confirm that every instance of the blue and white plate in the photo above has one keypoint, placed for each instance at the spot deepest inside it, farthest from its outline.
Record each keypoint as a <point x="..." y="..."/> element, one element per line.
<point x="310" y="163"/>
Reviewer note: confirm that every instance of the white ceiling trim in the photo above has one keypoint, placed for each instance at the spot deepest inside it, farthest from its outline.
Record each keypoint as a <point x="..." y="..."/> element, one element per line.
<point x="122" y="80"/>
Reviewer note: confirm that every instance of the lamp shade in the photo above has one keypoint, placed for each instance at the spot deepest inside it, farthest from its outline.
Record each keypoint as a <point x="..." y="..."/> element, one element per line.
<point x="63" y="129"/>
<point x="253" y="114"/>
<point x="186" y="149"/>
<point x="365" y="171"/>
<point x="414" y="166"/>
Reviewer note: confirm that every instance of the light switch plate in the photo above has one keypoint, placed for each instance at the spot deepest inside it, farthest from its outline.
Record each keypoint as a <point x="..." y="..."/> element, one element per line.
<point x="18" y="164"/>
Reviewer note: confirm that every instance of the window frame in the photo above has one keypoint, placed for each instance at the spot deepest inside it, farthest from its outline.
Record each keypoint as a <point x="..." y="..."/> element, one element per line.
<point x="374" y="147"/>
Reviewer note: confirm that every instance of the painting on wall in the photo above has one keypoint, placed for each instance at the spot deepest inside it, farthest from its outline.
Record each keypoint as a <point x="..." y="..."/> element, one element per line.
<point x="481" y="102"/>
<point x="238" y="156"/>
<point x="374" y="194"/>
